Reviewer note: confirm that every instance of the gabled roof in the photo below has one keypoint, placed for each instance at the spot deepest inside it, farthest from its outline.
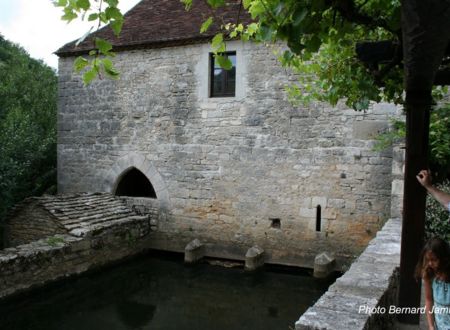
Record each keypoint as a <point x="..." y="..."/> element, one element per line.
<point x="82" y="213"/>
<point x="162" y="23"/>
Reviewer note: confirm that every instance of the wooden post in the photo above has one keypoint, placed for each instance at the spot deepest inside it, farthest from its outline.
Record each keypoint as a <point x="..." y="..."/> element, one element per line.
<point x="417" y="106"/>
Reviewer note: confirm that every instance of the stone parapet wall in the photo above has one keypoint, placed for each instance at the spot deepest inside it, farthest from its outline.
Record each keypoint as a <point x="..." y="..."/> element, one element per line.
<point x="363" y="297"/>
<point x="59" y="256"/>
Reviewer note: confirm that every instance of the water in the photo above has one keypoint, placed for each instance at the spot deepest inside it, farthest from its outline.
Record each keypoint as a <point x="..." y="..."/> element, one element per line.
<point x="151" y="292"/>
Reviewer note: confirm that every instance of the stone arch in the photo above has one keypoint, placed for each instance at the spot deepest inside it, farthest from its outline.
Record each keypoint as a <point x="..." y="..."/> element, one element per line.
<point x="142" y="164"/>
<point x="134" y="183"/>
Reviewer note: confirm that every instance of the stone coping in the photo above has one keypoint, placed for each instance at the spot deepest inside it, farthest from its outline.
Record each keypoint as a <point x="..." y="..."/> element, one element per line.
<point x="370" y="282"/>
<point x="43" y="261"/>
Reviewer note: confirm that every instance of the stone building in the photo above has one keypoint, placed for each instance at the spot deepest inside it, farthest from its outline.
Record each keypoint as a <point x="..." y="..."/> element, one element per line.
<point x="224" y="156"/>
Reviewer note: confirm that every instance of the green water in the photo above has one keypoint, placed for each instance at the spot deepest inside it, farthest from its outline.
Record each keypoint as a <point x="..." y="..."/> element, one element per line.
<point x="161" y="293"/>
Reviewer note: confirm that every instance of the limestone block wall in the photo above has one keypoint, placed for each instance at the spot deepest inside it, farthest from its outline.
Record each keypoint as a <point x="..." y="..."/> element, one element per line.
<point x="226" y="169"/>
<point x="30" y="223"/>
<point x="59" y="256"/>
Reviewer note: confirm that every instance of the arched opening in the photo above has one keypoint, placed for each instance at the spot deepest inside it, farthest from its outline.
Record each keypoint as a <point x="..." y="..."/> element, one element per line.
<point x="135" y="184"/>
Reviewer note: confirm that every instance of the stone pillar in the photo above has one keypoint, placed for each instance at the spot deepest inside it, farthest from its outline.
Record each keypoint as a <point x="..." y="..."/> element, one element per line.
<point x="254" y="258"/>
<point x="194" y="251"/>
<point x="324" y="265"/>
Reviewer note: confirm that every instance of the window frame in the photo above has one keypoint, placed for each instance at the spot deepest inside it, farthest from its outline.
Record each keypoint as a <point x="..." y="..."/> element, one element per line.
<point x="225" y="78"/>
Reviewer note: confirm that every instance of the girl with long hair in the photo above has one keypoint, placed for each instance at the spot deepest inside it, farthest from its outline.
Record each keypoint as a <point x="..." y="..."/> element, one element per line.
<point x="434" y="269"/>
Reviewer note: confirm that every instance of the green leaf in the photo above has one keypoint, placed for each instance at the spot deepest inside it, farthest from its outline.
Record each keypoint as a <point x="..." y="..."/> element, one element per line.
<point x="206" y="24"/>
<point x="116" y="26"/>
<point x="69" y="15"/>
<point x="103" y="46"/>
<point x="83" y="4"/>
<point x="252" y="28"/>
<point x="247" y="3"/>
<point x="224" y="62"/>
<point x="217" y="44"/>
<point x="216" y="3"/>
<point x="109" y="69"/>
<point x="103" y="18"/>
<point x="112" y="3"/>
<point x="89" y="75"/>
<point x="313" y="44"/>
<point x="80" y="63"/>
<point x="296" y="47"/>
<point x="93" y="17"/>
<point x="187" y="4"/>
<point x="60" y="3"/>
<point x="113" y="13"/>
<point x="266" y="33"/>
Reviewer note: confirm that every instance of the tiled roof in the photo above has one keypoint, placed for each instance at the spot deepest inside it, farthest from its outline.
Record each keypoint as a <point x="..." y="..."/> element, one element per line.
<point x="161" y="23"/>
<point x="87" y="212"/>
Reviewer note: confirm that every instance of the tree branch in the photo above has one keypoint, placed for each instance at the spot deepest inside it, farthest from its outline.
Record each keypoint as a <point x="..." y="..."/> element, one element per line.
<point x="348" y="10"/>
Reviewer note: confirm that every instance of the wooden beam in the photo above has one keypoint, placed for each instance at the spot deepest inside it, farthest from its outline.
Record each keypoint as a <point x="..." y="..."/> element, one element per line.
<point x="418" y="105"/>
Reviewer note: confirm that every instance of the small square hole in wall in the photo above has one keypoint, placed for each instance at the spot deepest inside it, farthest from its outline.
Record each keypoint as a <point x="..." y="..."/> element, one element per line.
<point x="275" y="223"/>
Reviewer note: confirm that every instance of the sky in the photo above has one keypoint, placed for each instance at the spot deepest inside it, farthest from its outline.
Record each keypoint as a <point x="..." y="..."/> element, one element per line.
<point x="36" y="26"/>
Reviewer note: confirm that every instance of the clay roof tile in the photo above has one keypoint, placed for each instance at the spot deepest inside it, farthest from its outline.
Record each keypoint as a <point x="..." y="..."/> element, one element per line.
<point x="162" y="23"/>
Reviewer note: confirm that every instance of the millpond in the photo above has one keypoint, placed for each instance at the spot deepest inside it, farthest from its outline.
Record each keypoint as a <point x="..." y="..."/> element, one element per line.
<point x="157" y="291"/>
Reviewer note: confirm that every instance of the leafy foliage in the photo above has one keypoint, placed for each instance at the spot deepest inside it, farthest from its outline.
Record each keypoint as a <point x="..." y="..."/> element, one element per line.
<point x="321" y="36"/>
<point x="437" y="221"/>
<point x="439" y="139"/>
<point x="106" y="12"/>
<point x="27" y="126"/>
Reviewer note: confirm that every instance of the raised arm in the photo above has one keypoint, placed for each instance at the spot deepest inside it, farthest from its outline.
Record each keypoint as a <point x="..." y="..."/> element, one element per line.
<point x="424" y="178"/>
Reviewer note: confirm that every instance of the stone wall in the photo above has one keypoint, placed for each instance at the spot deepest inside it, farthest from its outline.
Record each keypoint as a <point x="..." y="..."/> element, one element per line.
<point x="59" y="256"/>
<point x="224" y="169"/>
<point x="365" y="296"/>
<point x="30" y="223"/>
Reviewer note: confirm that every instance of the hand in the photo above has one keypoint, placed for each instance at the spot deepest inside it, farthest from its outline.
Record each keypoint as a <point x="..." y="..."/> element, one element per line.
<point x="424" y="178"/>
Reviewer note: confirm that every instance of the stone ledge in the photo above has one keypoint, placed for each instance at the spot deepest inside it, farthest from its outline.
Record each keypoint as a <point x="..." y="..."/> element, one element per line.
<point x="52" y="258"/>
<point x="370" y="282"/>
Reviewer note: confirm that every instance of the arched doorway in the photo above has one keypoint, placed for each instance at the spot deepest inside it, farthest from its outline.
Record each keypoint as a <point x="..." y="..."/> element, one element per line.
<point x="134" y="183"/>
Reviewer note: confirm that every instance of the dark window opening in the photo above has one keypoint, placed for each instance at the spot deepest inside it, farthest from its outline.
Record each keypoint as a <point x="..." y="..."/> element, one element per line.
<point x="223" y="82"/>
<point x="275" y="223"/>
<point x="135" y="184"/>
<point x="318" y="217"/>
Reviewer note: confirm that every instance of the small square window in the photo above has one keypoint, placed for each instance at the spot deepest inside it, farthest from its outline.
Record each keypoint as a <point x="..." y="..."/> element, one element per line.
<point x="223" y="82"/>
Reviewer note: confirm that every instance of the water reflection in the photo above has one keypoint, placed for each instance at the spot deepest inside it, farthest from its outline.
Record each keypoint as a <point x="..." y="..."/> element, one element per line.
<point x="163" y="294"/>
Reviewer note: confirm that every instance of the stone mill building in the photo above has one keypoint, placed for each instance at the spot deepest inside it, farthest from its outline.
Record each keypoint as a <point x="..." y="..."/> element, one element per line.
<point x="220" y="156"/>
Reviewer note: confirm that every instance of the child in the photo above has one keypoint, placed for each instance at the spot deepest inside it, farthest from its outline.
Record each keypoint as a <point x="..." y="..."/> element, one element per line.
<point x="434" y="268"/>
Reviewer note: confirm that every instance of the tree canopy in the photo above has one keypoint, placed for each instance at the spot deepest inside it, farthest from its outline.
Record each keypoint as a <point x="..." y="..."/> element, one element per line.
<point x="28" y="92"/>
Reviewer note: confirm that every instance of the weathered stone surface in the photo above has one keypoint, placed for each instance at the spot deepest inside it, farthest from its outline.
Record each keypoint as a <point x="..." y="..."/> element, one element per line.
<point x="254" y="258"/>
<point x="78" y="214"/>
<point x="54" y="257"/>
<point x="222" y="167"/>
<point x="194" y="251"/>
<point x="361" y="298"/>
<point x="324" y="265"/>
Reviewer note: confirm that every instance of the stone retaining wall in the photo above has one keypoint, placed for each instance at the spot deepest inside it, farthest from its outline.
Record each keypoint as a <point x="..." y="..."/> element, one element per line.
<point x="356" y="300"/>
<point x="59" y="256"/>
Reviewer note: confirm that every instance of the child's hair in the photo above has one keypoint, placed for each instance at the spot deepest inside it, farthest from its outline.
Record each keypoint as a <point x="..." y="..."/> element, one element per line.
<point x="441" y="250"/>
